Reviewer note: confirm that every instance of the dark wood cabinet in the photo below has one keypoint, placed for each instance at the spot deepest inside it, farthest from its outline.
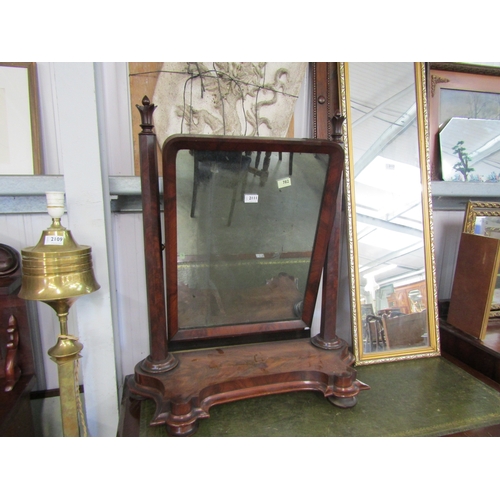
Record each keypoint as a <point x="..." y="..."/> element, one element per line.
<point x="481" y="355"/>
<point x="17" y="369"/>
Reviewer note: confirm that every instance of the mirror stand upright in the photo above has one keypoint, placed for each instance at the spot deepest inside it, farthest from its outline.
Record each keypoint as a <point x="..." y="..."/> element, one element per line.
<point x="231" y="334"/>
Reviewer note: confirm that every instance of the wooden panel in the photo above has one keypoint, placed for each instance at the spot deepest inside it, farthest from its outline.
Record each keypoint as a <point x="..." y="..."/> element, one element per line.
<point x="406" y="330"/>
<point x="474" y="283"/>
<point x="483" y="356"/>
<point x="325" y="98"/>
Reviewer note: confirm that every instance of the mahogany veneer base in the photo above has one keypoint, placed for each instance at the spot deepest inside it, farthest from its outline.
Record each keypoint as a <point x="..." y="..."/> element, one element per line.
<point x="206" y="377"/>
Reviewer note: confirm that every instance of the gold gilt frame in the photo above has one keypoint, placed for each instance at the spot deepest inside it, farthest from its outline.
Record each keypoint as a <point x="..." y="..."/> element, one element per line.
<point x="479" y="209"/>
<point x="482" y="209"/>
<point x="433" y="347"/>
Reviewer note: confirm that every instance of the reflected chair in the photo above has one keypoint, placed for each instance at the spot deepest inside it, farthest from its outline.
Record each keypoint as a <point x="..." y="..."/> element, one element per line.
<point x="376" y="333"/>
<point x="406" y="330"/>
<point x="264" y="173"/>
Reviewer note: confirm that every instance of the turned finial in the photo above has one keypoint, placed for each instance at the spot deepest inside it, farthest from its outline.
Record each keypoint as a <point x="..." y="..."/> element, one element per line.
<point x="146" y="110"/>
<point x="337" y="122"/>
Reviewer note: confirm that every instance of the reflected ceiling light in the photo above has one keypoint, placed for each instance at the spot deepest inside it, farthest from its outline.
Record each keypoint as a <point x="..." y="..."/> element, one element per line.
<point x="384" y="269"/>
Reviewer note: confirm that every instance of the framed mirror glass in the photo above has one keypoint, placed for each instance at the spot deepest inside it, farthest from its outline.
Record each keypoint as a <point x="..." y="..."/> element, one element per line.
<point x="470" y="150"/>
<point x="469" y="92"/>
<point x="389" y="211"/>
<point x="247" y="226"/>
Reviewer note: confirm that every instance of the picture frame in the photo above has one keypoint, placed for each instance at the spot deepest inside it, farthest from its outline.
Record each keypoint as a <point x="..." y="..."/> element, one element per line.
<point x="482" y="217"/>
<point x="20" y="151"/>
<point x="451" y="87"/>
<point x="219" y="98"/>
<point x="474" y="285"/>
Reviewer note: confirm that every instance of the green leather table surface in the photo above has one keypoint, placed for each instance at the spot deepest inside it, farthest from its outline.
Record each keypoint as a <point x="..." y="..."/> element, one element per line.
<point x="424" y="397"/>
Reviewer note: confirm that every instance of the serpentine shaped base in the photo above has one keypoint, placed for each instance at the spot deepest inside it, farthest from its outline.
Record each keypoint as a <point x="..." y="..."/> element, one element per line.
<point x="204" y="378"/>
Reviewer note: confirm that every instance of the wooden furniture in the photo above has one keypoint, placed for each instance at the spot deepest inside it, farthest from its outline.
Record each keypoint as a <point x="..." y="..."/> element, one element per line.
<point x="481" y="355"/>
<point x="376" y="338"/>
<point x="405" y="330"/>
<point x="403" y="298"/>
<point x="232" y="354"/>
<point x="17" y="368"/>
<point x="130" y="424"/>
<point x="474" y="284"/>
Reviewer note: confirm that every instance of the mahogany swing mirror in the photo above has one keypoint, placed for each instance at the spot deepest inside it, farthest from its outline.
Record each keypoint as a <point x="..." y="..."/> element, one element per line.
<point x="393" y="290"/>
<point x="244" y="247"/>
<point x="250" y="224"/>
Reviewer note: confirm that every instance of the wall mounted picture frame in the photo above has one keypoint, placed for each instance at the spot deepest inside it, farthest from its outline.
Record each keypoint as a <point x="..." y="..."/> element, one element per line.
<point x="20" y="152"/>
<point x="217" y="98"/>
<point x="470" y="92"/>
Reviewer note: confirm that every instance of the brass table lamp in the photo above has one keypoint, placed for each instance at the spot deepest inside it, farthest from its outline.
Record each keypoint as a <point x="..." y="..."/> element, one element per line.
<point x="57" y="271"/>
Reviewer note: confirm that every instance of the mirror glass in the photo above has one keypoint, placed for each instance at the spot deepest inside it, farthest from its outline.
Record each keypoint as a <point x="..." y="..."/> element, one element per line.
<point x="245" y="235"/>
<point x="247" y="224"/>
<point x="394" y="314"/>
<point x="470" y="150"/>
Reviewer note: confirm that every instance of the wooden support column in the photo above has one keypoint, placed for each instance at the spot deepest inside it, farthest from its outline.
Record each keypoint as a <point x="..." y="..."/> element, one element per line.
<point x="160" y="360"/>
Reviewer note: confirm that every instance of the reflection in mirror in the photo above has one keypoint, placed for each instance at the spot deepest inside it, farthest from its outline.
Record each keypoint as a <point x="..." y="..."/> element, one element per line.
<point x="388" y="209"/>
<point x="248" y="221"/>
<point x="470" y="150"/>
<point x="245" y="234"/>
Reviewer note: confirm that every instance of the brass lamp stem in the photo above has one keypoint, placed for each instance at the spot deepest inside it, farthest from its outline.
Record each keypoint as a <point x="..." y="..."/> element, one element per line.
<point x="65" y="354"/>
<point x="56" y="223"/>
<point x="63" y="324"/>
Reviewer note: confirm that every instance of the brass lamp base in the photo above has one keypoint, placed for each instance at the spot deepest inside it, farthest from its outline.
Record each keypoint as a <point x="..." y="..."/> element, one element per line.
<point x="57" y="271"/>
<point x="68" y="392"/>
<point x="66" y="354"/>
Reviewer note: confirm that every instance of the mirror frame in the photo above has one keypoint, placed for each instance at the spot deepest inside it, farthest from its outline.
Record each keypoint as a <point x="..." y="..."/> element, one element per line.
<point x="433" y="349"/>
<point x="325" y="222"/>
<point x="479" y="209"/>
<point x="454" y="76"/>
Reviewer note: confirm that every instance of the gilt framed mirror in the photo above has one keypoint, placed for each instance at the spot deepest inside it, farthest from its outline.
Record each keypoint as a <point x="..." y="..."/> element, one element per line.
<point x="247" y="222"/>
<point x="389" y="209"/>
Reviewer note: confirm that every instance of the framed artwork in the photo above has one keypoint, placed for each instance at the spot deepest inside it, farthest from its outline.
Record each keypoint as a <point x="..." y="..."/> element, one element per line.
<point x="19" y="123"/>
<point x="464" y="119"/>
<point x="247" y="99"/>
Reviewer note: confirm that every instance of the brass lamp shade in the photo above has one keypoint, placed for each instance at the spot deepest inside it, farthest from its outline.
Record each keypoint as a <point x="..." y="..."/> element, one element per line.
<point x="57" y="267"/>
